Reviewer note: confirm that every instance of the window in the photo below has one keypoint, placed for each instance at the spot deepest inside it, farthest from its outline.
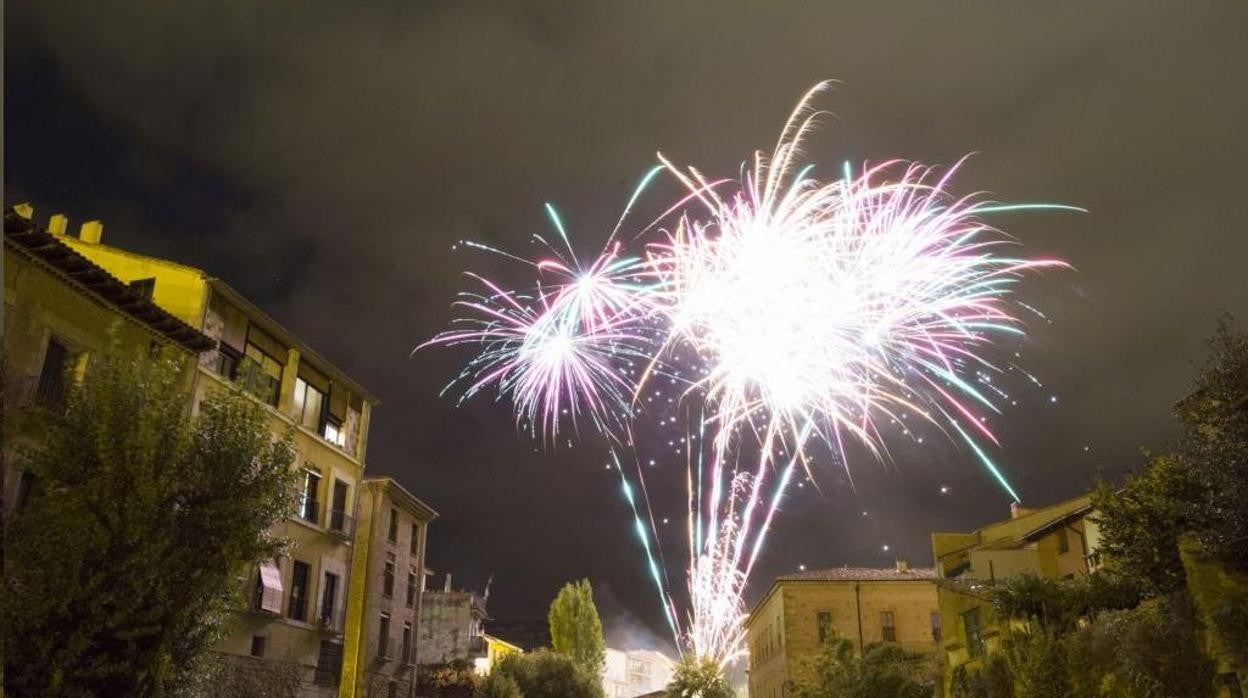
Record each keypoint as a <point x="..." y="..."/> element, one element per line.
<point x="936" y="633"/>
<point x="260" y="374"/>
<point x="411" y="588"/>
<point x="308" y="405"/>
<point x="328" y="664"/>
<point x="407" y="643"/>
<point x="146" y="288"/>
<point x="25" y="489"/>
<point x="383" y="636"/>
<point x="338" y="514"/>
<point x="823" y="621"/>
<point x="414" y="545"/>
<point x="298" y="609"/>
<point x="51" y="387"/>
<point x="329" y="594"/>
<point x="257" y="645"/>
<point x="888" y="627"/>
<point x="387" y="582"/>
<point x="309" y="507"/>
<point x="394" y="526"/>
<point x="226" y="363"/>
<point x="1063" y="542"/>
<point x="334" y="433"/>
<point x="974" y="633"/>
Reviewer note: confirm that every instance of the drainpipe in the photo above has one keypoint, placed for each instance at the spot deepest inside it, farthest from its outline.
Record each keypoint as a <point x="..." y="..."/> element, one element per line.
<point x="858" y="608"/>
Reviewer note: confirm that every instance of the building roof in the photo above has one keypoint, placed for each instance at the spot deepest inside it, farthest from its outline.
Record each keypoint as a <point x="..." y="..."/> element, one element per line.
<point x="279" y="332"/>
<point x="21" y="235"/>
<point x="846" y="574"/>
<point x="860" y="574"/>
<point x="400" y="494"/>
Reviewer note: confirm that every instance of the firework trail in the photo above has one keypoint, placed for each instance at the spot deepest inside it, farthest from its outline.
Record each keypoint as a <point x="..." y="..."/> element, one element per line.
<point x="812" y="312"/>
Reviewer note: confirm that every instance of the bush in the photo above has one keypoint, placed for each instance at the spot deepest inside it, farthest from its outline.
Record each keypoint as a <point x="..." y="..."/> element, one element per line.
<point x="541" y="674"/>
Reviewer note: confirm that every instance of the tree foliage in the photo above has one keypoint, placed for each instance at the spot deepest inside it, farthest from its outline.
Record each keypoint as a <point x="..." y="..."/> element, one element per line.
<point x="121" y="567"/>
<point x="884" y="670"/>
<point x="1087" y="638"/>
<point x="1198" y="485"/>
<point x="698" y="678"/>
<point x="575" y="629"/>
<point x="540" y="674"/>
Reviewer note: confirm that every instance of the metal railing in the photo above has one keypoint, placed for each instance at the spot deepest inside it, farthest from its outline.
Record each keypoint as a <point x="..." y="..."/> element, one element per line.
<point x="309" y="510"/>
<point x="341" y="523"/>
<point x="332" y="620"/>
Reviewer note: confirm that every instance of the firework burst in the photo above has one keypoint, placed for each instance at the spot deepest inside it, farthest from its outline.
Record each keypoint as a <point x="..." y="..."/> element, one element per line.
<point x="812" y="312"/>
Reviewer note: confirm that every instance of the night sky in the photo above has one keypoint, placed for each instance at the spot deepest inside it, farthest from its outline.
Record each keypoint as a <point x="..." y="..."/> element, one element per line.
<point x="323" y="157"/>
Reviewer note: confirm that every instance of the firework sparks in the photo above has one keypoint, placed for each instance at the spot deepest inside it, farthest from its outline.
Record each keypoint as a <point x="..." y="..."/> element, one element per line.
<point x="811" y="311"/>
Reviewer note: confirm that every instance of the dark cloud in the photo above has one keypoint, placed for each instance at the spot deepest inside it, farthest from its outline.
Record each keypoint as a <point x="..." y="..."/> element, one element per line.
<point x="323" y="158"/>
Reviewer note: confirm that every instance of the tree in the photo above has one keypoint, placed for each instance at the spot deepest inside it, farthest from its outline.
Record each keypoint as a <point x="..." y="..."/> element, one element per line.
<point x="575" y="629"/>
<point x="120" y="570"/>
<point x="884" y="670"/>
<point x="1198" y="485"/>
<point x="698" y="678"/>
<point x="540" y="674"/>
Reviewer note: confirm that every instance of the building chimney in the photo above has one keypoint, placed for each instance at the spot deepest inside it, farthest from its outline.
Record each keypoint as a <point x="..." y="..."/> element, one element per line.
<point x="57" y="223"/>
<point x="903" y="567"/>
<point x="25" y="210"/>
<point x="91" y="232"/>
<point x="447" y="585"/>
<point x="1017" y="510"/>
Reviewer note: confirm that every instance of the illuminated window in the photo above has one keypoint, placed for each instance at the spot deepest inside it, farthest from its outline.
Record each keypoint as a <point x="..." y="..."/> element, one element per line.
<point x="309" y="506"/>
<point x="308" y="404"/>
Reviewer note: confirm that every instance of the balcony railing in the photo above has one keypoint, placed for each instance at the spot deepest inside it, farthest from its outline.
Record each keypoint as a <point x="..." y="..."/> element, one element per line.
<point x="309" y="510"/>
<point x="332" y="620"/>
<point x="341" y="523"/>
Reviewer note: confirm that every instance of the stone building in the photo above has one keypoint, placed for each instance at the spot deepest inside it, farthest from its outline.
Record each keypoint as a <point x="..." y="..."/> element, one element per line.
<point x="60" y="310"/>
<point x="290" y="630"/>
<point x="387" y="585"/>
<point x="1060" y="541"/>
<point x="801" y="612"/>
<point x="632" y="673"/>
<point x="451" y="626"/>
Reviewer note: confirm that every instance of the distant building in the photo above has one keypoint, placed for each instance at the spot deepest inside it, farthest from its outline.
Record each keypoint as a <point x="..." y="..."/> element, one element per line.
<point x="495" y="650"/>
<point x="632" y="673"/>
<point x="387" y="582"/>
<point x="451" y="626"/>
<point x="60" y="310"/>
<point x="290" y="630"/>
<point x="1058" y="542"/>
<point x="803" y="611"/>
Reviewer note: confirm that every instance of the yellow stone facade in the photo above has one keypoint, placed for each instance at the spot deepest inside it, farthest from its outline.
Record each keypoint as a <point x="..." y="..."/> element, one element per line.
<point x="1058" y="542"/>
<point x="788" y="627"/>
<point x="327" y="412"/>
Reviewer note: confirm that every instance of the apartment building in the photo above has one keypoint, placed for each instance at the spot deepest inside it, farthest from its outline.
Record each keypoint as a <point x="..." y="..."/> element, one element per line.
<point x="388" y="580"/>
<point x="60" y="310"/>
<point x="801" y="612"/>
<point x="293" y="625"/>
<point x="1060" y="541"/>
